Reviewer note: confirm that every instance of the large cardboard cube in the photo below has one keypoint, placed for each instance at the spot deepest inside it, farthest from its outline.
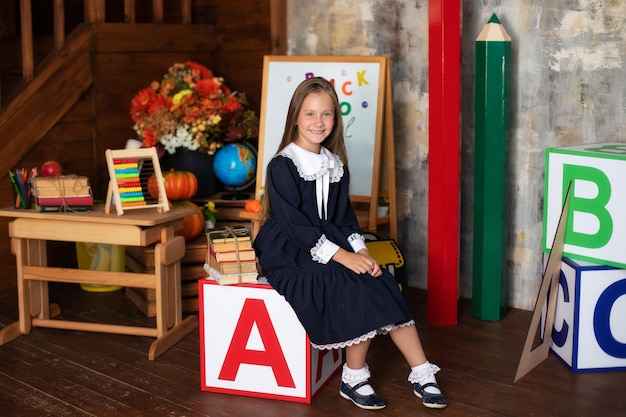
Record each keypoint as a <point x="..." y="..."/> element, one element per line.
<point x="596" y="226"/>
<point x="252" y="344"/>
<point x="589" y="332"/>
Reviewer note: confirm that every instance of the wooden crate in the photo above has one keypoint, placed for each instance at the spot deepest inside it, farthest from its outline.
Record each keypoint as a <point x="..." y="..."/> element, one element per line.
<point x="195" y="252"/>
<point x="192" y="269"/>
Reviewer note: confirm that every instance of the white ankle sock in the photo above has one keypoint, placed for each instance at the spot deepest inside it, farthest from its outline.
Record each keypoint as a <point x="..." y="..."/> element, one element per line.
<point x="424" y="374"/>
<point x="354" y="376"/>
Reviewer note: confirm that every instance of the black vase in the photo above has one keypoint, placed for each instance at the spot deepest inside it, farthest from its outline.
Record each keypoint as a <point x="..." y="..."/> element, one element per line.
<point x="200" y="164"/>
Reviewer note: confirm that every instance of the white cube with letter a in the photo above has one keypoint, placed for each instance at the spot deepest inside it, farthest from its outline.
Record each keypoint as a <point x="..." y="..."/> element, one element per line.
<point x="596" y="225"/>
<point x="252" y="344"/>
<point x="589" y="332"/>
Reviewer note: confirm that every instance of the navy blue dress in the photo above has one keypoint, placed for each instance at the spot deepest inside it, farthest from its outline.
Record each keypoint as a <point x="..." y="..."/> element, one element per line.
<point x="336" y="306"/>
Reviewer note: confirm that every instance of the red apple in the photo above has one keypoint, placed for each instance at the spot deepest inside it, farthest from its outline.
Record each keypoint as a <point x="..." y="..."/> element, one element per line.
<point x="51" y="169"/>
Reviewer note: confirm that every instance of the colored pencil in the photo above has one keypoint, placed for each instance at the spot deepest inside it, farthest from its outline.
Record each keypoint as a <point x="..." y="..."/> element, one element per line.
<point x="18" y="198"/>
<point x="491" y="147"/>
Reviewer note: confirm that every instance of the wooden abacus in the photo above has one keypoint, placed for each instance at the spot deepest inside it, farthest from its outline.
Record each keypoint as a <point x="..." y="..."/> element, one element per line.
<point x="135" y="175"/>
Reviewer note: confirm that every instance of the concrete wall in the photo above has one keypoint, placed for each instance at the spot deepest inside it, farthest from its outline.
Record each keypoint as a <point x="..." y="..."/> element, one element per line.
<point x="568" y="87"/>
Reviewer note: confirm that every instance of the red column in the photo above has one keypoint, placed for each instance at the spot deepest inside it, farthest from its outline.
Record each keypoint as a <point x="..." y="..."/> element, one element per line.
<point x="444" y="77"/>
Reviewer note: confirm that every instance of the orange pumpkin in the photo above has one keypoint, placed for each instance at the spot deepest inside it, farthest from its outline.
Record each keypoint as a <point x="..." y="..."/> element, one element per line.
<point x="193" y="224"/>
<point x="153" y="187"/>
<point x="179" y="185"/>
<point x="253" y="206"/>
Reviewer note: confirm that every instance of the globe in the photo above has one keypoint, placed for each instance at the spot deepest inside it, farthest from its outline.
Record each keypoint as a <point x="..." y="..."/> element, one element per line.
<point x="235" y="166"/>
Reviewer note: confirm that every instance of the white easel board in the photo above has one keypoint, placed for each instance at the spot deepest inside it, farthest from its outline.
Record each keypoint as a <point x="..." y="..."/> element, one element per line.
<point x="362" y="86"/>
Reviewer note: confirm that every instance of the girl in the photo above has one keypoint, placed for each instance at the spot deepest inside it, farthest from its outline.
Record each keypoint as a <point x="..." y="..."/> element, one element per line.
<point x="312" y="252"/>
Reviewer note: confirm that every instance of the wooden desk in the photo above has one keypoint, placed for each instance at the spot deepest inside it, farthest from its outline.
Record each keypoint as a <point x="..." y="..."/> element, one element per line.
<point x="31" y="229"/>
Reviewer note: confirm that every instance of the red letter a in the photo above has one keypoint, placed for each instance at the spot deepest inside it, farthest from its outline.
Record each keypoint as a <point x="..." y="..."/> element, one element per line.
<point x="254" y="311"/>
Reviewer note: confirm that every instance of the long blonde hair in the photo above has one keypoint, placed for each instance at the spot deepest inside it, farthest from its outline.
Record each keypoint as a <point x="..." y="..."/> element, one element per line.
<point x="334" y="142"/>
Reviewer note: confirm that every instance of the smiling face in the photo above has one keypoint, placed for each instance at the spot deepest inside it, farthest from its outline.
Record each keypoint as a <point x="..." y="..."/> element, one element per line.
<point x="315" y="121"/>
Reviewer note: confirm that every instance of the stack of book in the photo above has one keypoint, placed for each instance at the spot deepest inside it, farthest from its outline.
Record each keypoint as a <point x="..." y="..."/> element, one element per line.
<point x="230" y="256"/>
<point x="62" y="193"/>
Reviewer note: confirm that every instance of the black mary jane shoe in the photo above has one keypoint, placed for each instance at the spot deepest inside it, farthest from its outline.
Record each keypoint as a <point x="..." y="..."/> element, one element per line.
<point x="430" y="400"/>
<point x="367" y="402"/>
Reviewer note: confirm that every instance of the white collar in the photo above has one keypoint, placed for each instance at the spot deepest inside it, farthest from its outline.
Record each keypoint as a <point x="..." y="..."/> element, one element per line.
<point x="311" y="165"/>
<point x="323" y="168"/>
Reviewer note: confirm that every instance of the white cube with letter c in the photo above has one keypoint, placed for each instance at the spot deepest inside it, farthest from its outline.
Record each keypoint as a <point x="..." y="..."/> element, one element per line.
<point x="589" y="332"/>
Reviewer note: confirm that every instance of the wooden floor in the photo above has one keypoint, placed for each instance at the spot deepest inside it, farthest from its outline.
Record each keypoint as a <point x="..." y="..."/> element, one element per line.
<point x="58" y="373"/>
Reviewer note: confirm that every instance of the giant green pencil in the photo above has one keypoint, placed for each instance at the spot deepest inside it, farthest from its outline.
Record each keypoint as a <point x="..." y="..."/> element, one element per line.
<point x="491" y="146"/>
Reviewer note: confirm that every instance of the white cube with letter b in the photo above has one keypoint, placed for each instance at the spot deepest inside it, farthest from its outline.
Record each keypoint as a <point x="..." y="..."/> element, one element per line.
<point x="589" y="332"/>
<point x="252" y="344"/>
<point x="596" y="224"/>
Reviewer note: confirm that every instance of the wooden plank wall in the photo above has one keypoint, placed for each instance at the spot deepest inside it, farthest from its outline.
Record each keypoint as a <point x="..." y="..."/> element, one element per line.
<point x="227" y="36"/>
<point x="128" y="58"/>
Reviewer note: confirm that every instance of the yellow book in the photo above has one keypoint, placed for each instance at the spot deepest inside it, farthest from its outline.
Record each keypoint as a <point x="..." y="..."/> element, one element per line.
<point x="242" y="254"/>
<point x="61" y="186"/>
<point x="231" y="267"/>
<point x="230" y="246"/>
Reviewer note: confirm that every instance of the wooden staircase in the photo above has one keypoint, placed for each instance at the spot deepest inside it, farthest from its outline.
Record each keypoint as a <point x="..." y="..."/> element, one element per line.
<point x="65" y="77"/>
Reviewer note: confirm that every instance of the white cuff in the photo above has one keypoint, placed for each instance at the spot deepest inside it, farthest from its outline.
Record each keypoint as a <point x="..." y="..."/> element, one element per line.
<point x="357" y="241"/>
<point x="324" y="250"/>
<point x="357" y="245"/>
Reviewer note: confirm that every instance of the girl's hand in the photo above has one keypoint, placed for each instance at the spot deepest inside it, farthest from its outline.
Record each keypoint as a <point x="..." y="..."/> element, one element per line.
<point x="376" y="271"/>
<point x="360" y="263"/>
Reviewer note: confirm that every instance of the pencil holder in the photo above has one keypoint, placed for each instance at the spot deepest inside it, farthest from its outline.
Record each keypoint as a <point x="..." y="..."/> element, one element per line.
<point x="21" y="186"/>
<point x="17" y="201"/>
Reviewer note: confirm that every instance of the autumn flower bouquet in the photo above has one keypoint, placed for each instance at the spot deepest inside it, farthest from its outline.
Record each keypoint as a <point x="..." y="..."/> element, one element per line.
<point x="192" y="109"/>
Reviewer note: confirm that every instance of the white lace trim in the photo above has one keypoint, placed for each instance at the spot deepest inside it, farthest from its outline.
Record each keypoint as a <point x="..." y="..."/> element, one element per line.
<point x="324" y="250"/>
<point x="418" y="375"/>
<point x="352" y="376"/>
<point x="369" y="335"/>
<point x="356" y="236"/>
<point x="357" y="242"/>
<point x="311" y="165"/>
<point x="316" y="249"/>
